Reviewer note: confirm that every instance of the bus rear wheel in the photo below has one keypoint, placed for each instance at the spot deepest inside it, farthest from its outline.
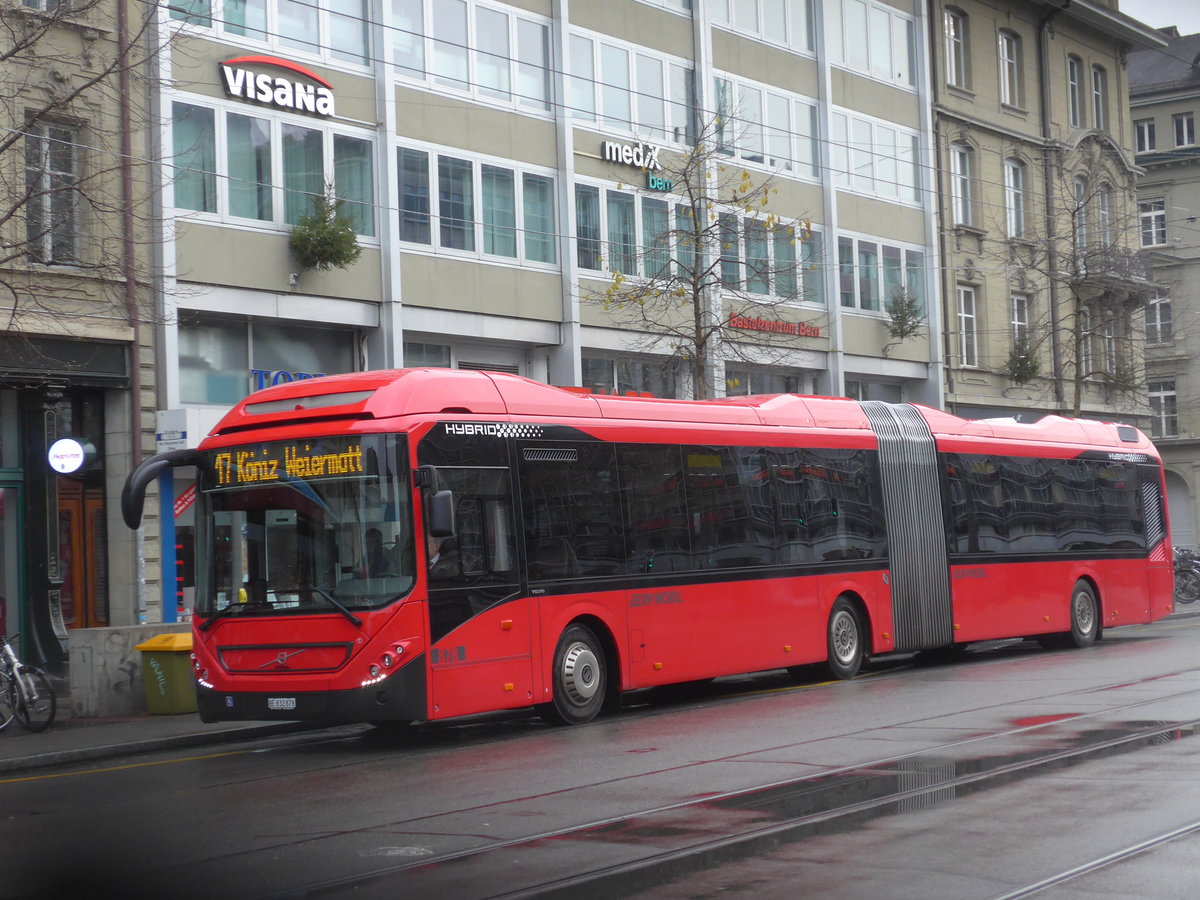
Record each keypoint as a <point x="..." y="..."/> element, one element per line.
<point x="1085" y="615"/>
<point x="844" y="640"/>
<point x="580" y="678"/>
<point x="1085" y="621"/>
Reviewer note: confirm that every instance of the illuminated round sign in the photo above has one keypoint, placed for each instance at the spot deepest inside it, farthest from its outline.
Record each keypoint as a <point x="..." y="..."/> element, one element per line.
<point x="67" y="456"/>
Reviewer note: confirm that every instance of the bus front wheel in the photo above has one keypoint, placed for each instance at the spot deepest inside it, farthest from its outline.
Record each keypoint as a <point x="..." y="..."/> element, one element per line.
<point x="844" y="640"/>
<point x="580" y="678"/>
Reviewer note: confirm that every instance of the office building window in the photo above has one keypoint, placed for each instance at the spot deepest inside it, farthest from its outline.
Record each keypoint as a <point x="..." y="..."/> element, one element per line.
<point x="418" y="355"/>
<point x="239" y="166"/>
<point x="622" y="232"/>
<point x="624" y="375"/>
<point x="196" y="12"/>
<point x="954" y="23"/>
<point x="873" y="39"/>
<point x="731" y="267"/>
<point x="875" y="158"/>
<point x="587" y="226"/>
<point x="414" y="195"/>
<point x="1012" y="89"/>
<point x="52" y="173"/>
<point x="968" y="335"/>
<point x="1153" y="217"/>
<point x="870" y="273"/>
<point x="497" y="210"/>
<point x="494" y="54"/>
<point x="1164" y="413"/>
<point x="456" y="203"/>
<point x="194" y="142"/>
<point x="222" y="361"/>
<point x="604" y="78"/>
<point x="540" y="225"/>
<point x="1075" y="91"/>
<point x="785" y="22"/>
<point x="741" y="382"/>
<point x="332" y="29"/>
<point x="249" y="160"/>
<point x="1144" y="131"/>
<point x="754" y="255"/>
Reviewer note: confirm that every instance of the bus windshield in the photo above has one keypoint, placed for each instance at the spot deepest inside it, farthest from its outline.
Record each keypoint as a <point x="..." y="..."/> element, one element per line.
<point x="313" y="525"/>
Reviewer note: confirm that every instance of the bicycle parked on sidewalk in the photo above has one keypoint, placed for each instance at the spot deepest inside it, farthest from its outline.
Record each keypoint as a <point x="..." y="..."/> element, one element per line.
<point x="25" y="692"/>
<point x="1187" y="576"/>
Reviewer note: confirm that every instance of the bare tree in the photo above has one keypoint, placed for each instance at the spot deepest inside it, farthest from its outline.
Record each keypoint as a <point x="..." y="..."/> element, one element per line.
<point x="1076" y="259"/>
<point x="715" y="268"/>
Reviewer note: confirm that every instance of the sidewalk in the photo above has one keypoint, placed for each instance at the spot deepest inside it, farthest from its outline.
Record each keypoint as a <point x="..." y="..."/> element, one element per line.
<point x="71" y="740"/>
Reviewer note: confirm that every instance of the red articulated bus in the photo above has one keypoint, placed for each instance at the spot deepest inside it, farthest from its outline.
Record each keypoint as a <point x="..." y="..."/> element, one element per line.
<point x="427" y="543"/>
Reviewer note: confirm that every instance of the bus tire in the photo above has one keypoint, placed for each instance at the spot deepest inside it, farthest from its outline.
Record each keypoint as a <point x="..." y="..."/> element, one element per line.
<point x="579" y="679"/>
<point x="1085" y="616"/>
<point x="844" y="640"/>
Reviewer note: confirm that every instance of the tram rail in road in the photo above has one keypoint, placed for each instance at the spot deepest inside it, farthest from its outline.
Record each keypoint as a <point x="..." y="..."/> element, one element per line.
<point x="623" y="855"/>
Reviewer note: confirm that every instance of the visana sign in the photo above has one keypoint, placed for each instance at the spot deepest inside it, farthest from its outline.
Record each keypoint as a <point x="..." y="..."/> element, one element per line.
<point x="644" y="156"/>
<point x="276" y="90"/>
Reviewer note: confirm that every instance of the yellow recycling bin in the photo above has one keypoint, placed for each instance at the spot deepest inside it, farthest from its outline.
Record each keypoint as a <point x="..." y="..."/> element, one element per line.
<point x="167" y="674"/>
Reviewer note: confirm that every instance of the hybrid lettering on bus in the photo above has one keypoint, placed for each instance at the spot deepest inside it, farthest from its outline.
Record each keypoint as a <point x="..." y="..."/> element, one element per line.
<point x="428" y="543"/>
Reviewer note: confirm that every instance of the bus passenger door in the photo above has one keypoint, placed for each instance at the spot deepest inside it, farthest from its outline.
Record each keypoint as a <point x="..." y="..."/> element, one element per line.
<point x="479" y="621"/>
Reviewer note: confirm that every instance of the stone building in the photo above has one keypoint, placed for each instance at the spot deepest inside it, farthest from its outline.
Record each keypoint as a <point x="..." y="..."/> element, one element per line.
<point x="77" y="352"/>
<point x="1043" y="281"/>
<point x="1164" y="97"/>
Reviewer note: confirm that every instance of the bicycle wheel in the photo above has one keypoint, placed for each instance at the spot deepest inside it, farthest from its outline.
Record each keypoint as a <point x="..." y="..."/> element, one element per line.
<point x="37" y="712"/>
<point x="1187" y="586"/>
<point x="7" y="700"/>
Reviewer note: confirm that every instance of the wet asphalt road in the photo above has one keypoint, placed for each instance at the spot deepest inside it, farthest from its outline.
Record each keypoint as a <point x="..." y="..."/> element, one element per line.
<point x="981" y="778"/>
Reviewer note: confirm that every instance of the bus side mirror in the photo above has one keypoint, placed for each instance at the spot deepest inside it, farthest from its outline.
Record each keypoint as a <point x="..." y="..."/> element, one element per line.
<point x="133" y="495"/>
<point x="441" y="514"/>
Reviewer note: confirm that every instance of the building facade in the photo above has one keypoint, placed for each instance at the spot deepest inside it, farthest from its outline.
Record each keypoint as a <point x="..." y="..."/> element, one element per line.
<point x="1043" y="281"/>
<point x="77" y="331"/>
<point x="1164" y="96"/>
<point x="505" y="165"/>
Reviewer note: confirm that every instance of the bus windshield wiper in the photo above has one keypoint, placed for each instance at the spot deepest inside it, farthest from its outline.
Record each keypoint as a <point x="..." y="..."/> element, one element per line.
<point x="218" y="614"/>
<point x="337" y="604"/>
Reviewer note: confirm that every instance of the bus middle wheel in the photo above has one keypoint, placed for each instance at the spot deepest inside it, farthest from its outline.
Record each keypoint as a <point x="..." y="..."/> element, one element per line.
<point x="580" y="678"/>
<point x="844" y="640"/>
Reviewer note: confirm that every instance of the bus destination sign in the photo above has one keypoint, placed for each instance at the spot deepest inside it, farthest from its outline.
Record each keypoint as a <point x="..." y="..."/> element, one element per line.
<point x="286" y="461"/>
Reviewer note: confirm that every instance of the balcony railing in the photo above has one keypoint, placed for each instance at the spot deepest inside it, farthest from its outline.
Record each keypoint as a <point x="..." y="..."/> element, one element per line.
<point x="1114" y="264"/>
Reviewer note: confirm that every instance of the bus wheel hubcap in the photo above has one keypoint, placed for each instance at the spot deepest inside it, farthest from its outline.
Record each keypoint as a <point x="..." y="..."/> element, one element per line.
<point x="1084" y="613"/>
<point x="580" y="673"/>
<point x="845" y="637"/>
